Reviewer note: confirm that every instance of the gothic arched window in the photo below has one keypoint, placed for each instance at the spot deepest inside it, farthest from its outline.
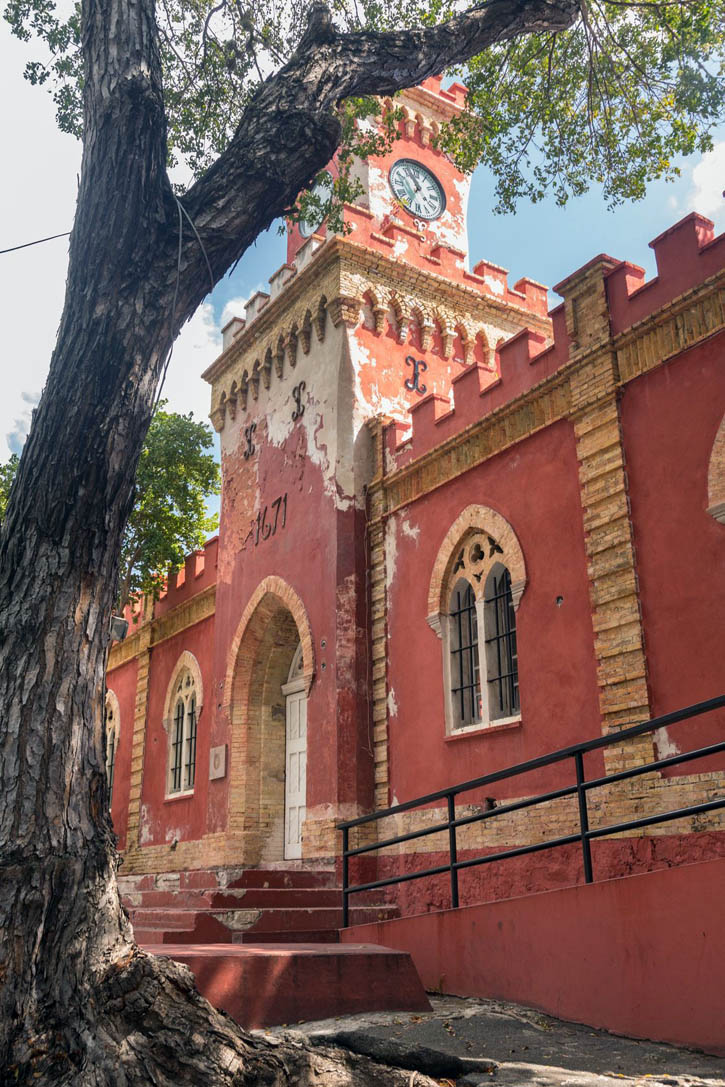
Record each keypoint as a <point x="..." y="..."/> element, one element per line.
<point x="182" y="753"/>
<point x="476" y="585"/>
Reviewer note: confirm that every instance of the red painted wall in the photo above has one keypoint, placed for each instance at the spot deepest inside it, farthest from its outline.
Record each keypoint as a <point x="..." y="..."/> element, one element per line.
<point x="630" y="955"/>
<point x="122" y="681"/>
<point x="319" y="553"/>
<point x="535" y="487"/>
<point x="182" y="818"/>
<point x="670" y="417"/>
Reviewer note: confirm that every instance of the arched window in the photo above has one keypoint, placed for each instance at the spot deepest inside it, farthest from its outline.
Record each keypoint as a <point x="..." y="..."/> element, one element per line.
<point x="113" y="725"/>
<point x="476" y="586"/>
<point x="502" y="662"/>
<point x="182" y="758"/>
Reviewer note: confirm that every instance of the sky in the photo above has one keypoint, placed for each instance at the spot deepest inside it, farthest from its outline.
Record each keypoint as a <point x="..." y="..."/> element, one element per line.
<point x="37" y="190"/>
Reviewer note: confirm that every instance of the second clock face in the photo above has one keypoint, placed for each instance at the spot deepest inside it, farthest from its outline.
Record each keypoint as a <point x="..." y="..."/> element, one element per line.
<point x="417" y="188"/>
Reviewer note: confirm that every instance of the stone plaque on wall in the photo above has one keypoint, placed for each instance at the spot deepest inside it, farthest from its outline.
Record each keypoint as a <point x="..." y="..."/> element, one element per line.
<point x="217" y="762"/>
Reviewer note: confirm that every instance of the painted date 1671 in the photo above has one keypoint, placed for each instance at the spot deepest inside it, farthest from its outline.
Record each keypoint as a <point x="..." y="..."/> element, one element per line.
<point x="267" y="522"/>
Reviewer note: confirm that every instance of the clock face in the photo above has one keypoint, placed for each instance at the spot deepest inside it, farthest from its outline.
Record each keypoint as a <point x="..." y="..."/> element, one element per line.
<point x="417" y="189"/>
<point x="321" y="190"/>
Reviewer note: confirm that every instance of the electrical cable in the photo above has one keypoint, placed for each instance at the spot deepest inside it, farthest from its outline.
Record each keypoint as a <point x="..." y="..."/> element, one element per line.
<point x="173" y="308"/>
<point x="14" y="248"/>
<point x="182" y="210"/>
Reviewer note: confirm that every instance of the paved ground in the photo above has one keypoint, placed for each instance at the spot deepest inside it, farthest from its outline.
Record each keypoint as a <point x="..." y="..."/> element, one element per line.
<point x="473" y="1042"/>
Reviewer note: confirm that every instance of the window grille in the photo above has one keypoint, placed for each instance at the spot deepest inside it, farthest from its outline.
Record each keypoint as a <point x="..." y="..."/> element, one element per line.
<point x="501" y="653"/>
<point x="465" y="666"/>
<point x="190" y="767"/>
<point x="176" y="747"/>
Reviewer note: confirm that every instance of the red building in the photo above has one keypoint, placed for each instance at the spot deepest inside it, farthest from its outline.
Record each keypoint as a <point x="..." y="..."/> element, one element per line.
<point x="458" y="531"/>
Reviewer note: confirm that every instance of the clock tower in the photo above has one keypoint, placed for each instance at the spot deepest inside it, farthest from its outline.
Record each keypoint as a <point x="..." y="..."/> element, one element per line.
<point x="357" y="330"/>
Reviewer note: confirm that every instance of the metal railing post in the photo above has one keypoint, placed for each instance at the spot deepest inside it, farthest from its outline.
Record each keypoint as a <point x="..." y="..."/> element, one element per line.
<point x="452" y="849"/>
<point x="345" y="879"/>
<point x="583" y="817"/>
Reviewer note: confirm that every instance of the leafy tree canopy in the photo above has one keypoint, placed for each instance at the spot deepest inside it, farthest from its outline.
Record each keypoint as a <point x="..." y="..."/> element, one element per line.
<point x="614" y="99"/>
<point x="176" y="475"/>
<point x="7" y="475"/>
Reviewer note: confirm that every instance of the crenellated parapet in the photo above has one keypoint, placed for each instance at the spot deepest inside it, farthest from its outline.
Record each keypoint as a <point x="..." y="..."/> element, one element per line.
<point x="611" y="327"/>
<point x="459" y="318"/>
<point x="687" y="254"/>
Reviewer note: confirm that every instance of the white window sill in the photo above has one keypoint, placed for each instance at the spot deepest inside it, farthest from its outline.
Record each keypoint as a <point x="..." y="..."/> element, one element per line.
<point x="179" y="796"/>
<point x="501" y="724"/>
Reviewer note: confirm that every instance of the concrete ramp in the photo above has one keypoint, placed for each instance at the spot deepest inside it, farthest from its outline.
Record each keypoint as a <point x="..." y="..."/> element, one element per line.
<point x="642" y="955"/>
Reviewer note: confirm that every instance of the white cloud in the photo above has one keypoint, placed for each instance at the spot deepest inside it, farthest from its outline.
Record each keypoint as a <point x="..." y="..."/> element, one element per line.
<point x="16" y="437"/>
<point x="235" y="307"/>
<point x="38" y="183"/>
<point x="196" y="347"/>
<point x="708" y="182"/>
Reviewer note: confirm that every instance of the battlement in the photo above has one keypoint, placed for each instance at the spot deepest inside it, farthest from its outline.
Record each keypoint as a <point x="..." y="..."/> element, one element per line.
<point x="522" y="362"/>
<point x="198" y="573"/>
<point x="493" y="280"/>
<point x="686" y="254"/>
<point x="400" y="241"/>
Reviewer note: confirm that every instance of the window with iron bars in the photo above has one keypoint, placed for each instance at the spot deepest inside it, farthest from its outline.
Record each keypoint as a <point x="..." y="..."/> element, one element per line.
<point x="182" y="763"/>
<point x="464" y="658"/>
<point x="502" y="662"/>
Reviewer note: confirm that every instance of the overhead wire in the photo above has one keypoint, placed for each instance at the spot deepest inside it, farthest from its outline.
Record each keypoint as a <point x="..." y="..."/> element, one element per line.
<point x="38" y="241"/>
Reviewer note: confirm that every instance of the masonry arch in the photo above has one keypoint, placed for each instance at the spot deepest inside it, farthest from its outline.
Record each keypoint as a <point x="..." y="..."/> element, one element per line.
<point x="273" y="629"/>
<point x="475" y="521"/>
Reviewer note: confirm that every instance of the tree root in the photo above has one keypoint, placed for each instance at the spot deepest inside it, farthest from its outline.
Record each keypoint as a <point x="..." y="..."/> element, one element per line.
<point x="146" y="1025"/>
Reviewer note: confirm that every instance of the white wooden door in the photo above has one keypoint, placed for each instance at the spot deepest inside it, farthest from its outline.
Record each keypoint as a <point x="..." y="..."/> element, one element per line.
<point x="295" y="788"/>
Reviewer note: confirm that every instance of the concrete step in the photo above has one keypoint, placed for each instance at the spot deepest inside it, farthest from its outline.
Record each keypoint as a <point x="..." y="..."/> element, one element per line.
<point x="269" y="984"/>
<point x="259" y="920"/>
<point x="305" y="936"/>
<point x="240" y="898"/>
<point x="281" y="878"/>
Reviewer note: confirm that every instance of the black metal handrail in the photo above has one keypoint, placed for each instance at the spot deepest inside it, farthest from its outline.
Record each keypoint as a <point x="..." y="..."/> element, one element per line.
<point x="580" y="789"/>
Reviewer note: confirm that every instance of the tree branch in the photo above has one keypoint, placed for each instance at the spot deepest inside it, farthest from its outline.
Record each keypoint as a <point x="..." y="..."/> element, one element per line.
<point x="290" y="129"/>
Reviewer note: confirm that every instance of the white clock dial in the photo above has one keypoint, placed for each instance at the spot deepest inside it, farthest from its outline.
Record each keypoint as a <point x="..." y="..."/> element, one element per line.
<point x="321" y="190"/>
<point x="417" y="189"/>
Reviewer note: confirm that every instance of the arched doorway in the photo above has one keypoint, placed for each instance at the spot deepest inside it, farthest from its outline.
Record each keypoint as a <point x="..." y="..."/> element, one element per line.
<point x="267" y="690"/>
<point x="295" y="783"/>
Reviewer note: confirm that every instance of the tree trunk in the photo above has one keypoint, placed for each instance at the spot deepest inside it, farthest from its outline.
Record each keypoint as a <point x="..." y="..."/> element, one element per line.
<point x="79" y="1002"/>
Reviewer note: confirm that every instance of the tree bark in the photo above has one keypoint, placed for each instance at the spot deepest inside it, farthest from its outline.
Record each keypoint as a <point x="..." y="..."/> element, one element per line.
<point x="79" y="1002"/>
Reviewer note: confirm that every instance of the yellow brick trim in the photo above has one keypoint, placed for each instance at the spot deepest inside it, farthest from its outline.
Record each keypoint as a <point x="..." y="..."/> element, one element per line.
<point x="277" y="587"/>
<point x="534" y="410"/>
<point x="174" y="622"/>
<point x="687" y="320"/>
<point x="138" y="741"/>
